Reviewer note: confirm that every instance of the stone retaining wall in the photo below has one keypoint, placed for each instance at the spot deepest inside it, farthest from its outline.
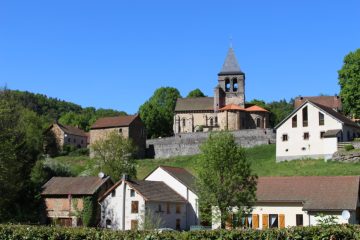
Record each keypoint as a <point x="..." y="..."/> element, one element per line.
<point x="188" y="143"/>
<point x="343" y="156"/>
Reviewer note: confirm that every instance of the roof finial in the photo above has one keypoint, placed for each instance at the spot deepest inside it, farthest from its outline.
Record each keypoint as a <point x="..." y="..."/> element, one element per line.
<point x="231" y="45"/>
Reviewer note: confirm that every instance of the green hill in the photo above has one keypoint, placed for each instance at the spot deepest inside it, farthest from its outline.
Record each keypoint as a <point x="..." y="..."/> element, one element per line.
<point x="261" y="157"/>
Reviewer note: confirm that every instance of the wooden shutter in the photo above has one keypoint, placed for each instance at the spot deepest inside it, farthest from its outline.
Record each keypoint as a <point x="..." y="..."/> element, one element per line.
<point x="134" y="206"/>
<point x="228" y="222"/>
<point x="255" y="221"/>
<point x="281" y="220"/>
<point x="134" y="224"/>
<point x="265" y="221"/>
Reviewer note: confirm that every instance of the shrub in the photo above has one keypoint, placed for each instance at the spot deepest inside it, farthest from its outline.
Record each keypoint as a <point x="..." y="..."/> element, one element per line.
<point x="356" y="139"/>
<point x="80" y="152"/>
<point x="348" y="147"/>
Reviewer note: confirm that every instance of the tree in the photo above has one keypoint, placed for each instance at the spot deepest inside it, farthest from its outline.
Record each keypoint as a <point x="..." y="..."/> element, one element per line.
<point x="225" y="178"/>
<point x="279" y="110"/>
<point x="115" y="155"/>
<point x="196" y="93"/>
<point x="349" y="80"/>
<point x="157" y="113"/>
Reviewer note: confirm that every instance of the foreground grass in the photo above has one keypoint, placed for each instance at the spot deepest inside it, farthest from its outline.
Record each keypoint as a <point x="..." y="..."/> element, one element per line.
<point x="262" y="159"/>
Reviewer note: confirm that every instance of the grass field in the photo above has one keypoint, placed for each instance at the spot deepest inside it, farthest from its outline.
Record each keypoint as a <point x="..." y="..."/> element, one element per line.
<point x="262" y="159"/>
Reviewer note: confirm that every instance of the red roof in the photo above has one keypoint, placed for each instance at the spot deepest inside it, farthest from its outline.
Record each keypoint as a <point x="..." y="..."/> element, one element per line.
<point x="255" y="108"/>
<point x="232" y="107"/>
<point x="108" y="122"/>
<point x="333" y="102"/>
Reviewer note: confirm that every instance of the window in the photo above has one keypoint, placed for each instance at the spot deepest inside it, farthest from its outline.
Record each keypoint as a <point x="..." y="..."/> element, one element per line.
<point x="168" y="208"/>
<point x="159" y="208"/>
<point x="273" y="221"/>
<point x="82" y="141"/>
<point x="227" y="85"/>
<point x="211" y="122"/>
<point x="108" y="223"/>
<point x="183" y="122"/>
<point x="132" y="193"/>
<point x="178" y="224"/>
<point x="113" y="193"/>
<point x="284" y="137"/>
<point x="321" y="119"/>
<point x="322" y="134"/>
<point x="247" y="221"/>
<point x="178" y="208"/>
<point x="299" y="220"/>
<point x="235" y="85"/>
<point x="134" y="224"/>
<point x="120" y="130"/>
<point x="216" y="121"/>
<point x="294" y="121"/>
<point x="258" y="122"/>
<point x="134" y="206"/>
<point x="69" y="139"/>
<point x="306" y="136"/>
<point x="74" y="140"/>
<point x="305" y="116"/>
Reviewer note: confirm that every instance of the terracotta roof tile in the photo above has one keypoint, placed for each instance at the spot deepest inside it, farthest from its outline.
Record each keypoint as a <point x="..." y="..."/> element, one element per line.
<point x="119" y="121"/>
<point x="256" y="108"/>
<point x="72" y="130"/>
<point x="232" y="107"/>
<point x="316" y="192"/>
<point x="73" y="185"/>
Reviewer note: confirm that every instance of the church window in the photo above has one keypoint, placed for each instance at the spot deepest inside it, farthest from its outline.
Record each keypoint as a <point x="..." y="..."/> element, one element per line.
<point x="216" y="121"/>
<point x="258" y="122"/>
<point x="227" y="85"/>
<point x="235" y="85"/>
<point x="211" y="122"/>
<point x="183" y="122"/>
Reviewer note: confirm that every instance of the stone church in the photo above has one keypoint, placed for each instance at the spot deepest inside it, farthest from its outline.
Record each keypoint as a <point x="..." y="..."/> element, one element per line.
<point x="227" y="110"/>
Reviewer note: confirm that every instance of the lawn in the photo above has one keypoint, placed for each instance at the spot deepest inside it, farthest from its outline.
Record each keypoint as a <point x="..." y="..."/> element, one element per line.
<point x="262" y="159"/>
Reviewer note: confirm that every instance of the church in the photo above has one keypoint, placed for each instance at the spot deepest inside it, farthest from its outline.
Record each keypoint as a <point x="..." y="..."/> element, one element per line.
<point x="227" y="110"/>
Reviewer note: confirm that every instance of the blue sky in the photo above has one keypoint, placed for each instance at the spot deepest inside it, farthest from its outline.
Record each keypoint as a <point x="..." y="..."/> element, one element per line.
<point x="114" y="54"/>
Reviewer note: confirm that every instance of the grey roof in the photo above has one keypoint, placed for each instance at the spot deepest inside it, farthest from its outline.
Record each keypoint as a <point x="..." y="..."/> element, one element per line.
<point x="231" y="65"/>
<point x="331" y="133"/>
<point x="315" y="192"/>
<point x="195" y="104"/>
<point x="182" y="175"/>
<point x="155" y="191"/>
<point x="73" y="185"/>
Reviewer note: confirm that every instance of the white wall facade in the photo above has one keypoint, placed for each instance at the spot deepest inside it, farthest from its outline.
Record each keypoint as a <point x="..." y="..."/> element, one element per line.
<point x="192" y="208"/>
<point x="289" y="210"/>
<point x="112" y="209"/>
<point x="296" y="147"/>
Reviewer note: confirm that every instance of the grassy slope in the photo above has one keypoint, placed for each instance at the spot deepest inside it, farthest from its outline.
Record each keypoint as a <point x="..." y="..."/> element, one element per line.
<point x="261" y="157"/>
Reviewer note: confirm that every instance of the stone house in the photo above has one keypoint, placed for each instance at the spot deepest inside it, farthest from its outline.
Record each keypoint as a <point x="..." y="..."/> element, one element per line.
<point x="58" y="135"/>
<point x="297" y="201"/>
<point x="63" y="197"/>
<point x="313" y="131"/>
<point x="130" y="127"/>
<point x="226" y="110"/>
<point x="129" y="203"/>
<point x="182" y="182"/>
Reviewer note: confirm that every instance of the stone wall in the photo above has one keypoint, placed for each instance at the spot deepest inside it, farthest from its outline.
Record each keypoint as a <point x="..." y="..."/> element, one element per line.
<point x="188" y="143"/>
<point x="343" y="156"/>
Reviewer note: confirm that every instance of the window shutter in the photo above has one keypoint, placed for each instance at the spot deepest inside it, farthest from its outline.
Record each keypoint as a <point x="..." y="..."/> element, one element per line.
<point x="255" y="221"/>
<point x="265" y="221"/>
<point x="281" y="220"/>
<point x="228" y="222"/>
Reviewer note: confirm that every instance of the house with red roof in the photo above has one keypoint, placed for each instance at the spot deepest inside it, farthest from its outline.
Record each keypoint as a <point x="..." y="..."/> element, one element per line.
<point x="226" y="110"/>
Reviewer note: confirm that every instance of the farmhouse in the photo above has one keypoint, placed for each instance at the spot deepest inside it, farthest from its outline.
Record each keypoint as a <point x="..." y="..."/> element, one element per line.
<point x="64" y="197"/>
<point x="333" y="102"/>
<point x="226" y="110"/>
<point x="297" y="201"/>
<point x="313" y="131"/>
<point x="128" y="126"/>
<point x="166" y="196"/>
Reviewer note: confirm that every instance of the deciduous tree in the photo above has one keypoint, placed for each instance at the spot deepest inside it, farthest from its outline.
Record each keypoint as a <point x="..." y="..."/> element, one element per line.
<point x="196" y="93"/>
<point x="225" y="178"/>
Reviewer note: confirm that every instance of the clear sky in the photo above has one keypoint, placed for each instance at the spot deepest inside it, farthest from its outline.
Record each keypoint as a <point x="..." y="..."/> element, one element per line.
<point x="114" y="54"/>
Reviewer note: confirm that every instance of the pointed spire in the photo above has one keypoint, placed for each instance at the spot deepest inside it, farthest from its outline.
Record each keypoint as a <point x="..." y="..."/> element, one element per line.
<point x="231" y="65"/>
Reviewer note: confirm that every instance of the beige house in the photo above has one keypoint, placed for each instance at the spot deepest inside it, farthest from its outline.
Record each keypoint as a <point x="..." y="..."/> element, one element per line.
<point x="63" y="197"/>
<point x="226" y="110"/>
<point x="58" y="135"/>
<point x="297" y="201"/>
<point x="313" y="131"/>
<point x="128" y="126"/>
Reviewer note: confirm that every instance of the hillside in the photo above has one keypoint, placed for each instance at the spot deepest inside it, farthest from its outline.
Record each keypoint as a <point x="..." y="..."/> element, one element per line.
<point x="261" y="157"/>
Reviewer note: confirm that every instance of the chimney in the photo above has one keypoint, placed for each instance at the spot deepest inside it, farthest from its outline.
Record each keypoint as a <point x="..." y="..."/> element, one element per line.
<point x="125" y="177"/>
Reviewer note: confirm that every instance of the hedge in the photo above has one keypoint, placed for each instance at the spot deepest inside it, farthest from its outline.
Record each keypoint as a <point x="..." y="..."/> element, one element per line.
<point x="22" y="232"/>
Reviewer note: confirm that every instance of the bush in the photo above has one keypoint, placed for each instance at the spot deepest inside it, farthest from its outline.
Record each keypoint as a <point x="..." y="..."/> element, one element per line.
<point x="356" y="139"/>
<point x="80" y="152"/>
<point x="20" y="232"/>
<point x="348" y="147"/>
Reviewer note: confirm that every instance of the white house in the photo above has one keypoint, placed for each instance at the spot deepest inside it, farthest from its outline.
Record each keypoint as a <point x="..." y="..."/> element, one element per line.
<point x="182" y="182"/>
<point x="312" y="131"/>
<point x="296" y="201"/>
<point x="125" y="205"/>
